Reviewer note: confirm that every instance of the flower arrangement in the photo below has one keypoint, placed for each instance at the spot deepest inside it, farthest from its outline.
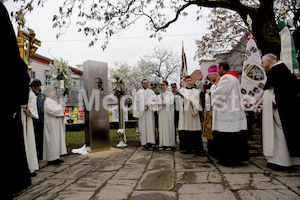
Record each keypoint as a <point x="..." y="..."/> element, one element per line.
<point x="60" y="76"/>
<point x="118" y="82"/>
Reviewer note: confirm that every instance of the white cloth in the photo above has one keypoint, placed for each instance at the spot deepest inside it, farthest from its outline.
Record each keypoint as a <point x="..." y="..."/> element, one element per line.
<point x="189" y="119"/>
<point x="274" y="143"/>
<point x="228" y="114"/>
<point x="166" y="120"/>
<point x="286" y="49"/>
<point x="146" y="122"/>
<point x="28" y="131"/>
<point x="54" y="130"/>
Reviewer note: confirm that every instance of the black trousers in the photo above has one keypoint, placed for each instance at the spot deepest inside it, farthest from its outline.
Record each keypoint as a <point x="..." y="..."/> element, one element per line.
<point x="230" y="147"/>
<point x="39" y="137"/>
<point x="190" y="140"/>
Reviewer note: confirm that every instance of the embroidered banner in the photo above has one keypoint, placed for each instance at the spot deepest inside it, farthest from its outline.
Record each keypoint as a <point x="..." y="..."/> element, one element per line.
<point x="253" y="77"/>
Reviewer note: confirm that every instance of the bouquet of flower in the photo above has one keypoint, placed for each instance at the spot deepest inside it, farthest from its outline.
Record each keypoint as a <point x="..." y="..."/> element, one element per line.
<point x="60" y="76"/>
<point x="118" y="82"/>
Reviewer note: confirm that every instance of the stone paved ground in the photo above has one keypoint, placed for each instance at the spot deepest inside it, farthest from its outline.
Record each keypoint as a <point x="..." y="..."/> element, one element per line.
<point x="138" y="174"/>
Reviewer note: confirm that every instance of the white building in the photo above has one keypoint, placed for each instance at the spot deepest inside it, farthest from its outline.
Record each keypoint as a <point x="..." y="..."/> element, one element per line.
<point x="235" y="59"/>
<point x="41" y="70"/>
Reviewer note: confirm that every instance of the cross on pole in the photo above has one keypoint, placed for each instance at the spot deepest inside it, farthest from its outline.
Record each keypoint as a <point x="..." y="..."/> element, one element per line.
<point x="30" y="37"/>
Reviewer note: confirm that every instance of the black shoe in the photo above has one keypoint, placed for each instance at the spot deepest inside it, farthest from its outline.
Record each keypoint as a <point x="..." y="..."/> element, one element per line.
<point x="280" y="168"/>
<point x="55" y="162"/>
<point x="187" y="152"/>
<point x="33" y="174"/>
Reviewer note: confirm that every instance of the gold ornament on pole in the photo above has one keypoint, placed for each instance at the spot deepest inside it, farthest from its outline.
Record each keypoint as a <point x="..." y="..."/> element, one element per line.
<point x="249" y="21"/>
<point x="30" y="37"/>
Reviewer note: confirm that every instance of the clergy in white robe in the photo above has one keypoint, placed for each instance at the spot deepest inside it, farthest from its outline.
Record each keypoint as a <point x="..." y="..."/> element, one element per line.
<point x="189" y="125"/>
<point x="274" y="144"/>
<point x="54" y="129"/>
<point x="166" y="117"/>
<point x="142" y="111"/>
<point x="280" y="123"/>
<point x="229" y="123"/>
<point x="28" y="112"/>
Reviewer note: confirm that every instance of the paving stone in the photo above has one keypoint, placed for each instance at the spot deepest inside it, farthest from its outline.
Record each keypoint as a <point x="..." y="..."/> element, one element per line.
<point x="140" y="157"/>
<point x="262" y="181"/>
<point x="200" y="188"/>
<point x="157" y="180"/>
<point x="74" y="195"/>
<point x="112" y="163"/>
<point x="44" y="187"/>
<point x="245" y="167"/>
<point x="74" y="171"/>
<point x="157" y="164"/>
<point x="130" y="172"/>
<point x="292" y="182"/>
<point x="72" y="159"/>
<point x="91" y="181"/>
<point x="224" y="195"/>
<point x="116" y="189"/>
<point x="153" y="195"/>
<point x="238" y="181"/>
<point x="194" y="166"/>
<point x="53" y="168"/>
<point x="267" y="194"/>
<point x="190" y="157"/>
<point x="198" y="177"/>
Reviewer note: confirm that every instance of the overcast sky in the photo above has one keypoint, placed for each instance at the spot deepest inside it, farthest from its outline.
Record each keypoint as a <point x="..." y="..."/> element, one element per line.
<point x="128" y="47"/>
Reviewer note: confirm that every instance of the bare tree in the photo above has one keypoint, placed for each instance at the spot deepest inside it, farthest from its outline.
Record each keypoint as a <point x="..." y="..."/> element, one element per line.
<point x="160" y="62"/>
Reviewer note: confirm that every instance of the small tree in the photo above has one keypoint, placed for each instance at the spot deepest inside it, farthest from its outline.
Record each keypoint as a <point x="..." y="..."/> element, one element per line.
<point x="160" y="62"/>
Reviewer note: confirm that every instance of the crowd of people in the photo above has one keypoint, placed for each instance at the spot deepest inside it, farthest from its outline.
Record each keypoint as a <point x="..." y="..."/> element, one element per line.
<point x="220" y="116"/>
<point x="182" y="109"/>
<point x="37" y="130"/>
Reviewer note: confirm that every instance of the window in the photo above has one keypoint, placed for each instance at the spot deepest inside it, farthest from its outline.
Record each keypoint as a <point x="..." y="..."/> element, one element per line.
<point x="32" y="74"/>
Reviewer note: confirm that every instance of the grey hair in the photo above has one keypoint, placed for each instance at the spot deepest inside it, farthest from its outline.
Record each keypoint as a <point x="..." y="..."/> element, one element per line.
<point x="48" y="90"/>
<point x="270" y="56"/>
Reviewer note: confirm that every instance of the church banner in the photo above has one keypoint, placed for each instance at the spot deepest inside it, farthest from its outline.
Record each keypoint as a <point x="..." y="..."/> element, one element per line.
<point x="253" y="77"/>
<point x="288" y="52"/>
<point x="183" y="71"/>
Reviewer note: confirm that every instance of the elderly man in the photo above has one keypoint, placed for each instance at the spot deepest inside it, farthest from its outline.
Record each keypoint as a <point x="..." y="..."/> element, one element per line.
<point x="189" y="126"/>
<point x="54" y="129"/>
<point x="39" y="123"/>
<point x="207" y="127"/>
<point x="229" y="119"/>
<point x="280" y="115"/>
<point x="142" y="111"/>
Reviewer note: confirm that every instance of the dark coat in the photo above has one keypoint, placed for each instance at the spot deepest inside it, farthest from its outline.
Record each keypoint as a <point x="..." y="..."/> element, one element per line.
<point x="15" y="92"/>
<point x="287" y="96"/>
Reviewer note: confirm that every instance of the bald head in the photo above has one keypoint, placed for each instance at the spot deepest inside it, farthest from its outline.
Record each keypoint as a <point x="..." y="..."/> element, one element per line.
<point x="268" y="61"/>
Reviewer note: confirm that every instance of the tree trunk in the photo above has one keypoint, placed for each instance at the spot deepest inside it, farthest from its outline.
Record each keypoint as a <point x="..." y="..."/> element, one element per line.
<point x="264" y="28"/>
<point x="266" y="33"/>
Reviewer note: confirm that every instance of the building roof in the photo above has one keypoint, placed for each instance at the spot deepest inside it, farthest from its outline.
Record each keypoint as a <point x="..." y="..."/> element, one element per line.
<point x="194" y="75"/>
<point x="44" y="60"/>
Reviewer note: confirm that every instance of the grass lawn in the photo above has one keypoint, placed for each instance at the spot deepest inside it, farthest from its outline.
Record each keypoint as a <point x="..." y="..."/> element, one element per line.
<point x="76" y="139"/>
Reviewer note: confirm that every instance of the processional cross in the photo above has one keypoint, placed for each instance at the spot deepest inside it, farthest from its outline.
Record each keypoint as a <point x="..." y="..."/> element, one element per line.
<point x="30" y="37"/>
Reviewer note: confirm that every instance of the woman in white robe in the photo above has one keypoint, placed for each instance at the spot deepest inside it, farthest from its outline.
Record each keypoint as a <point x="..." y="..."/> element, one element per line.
<point x="28" y="112"/>
<point x="166" y="118"/>
<point x="54" y="129"/>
